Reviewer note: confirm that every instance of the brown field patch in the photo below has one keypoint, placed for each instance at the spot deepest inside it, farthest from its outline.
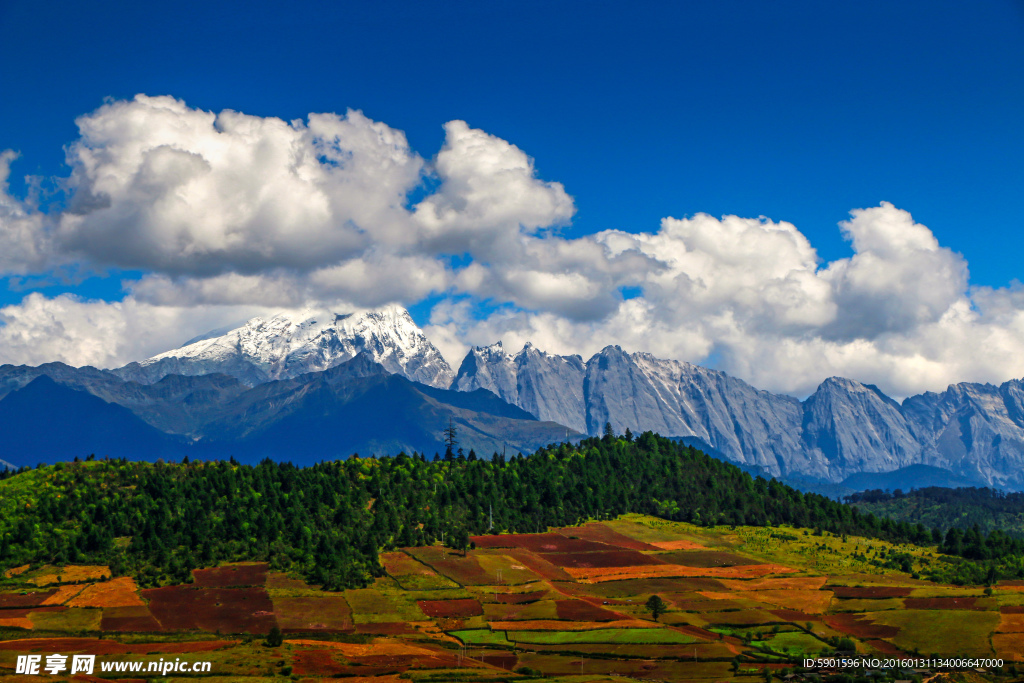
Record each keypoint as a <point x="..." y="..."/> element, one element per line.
<point x="1011" y="623"/>
<point x="119" y="592"/>
<point x="129" y="619"/>
<point x="1011" y="609"/>
<point x="1009" y="646"/>
<point x="795" y="616"/>
<point x="581" y="610"/>
<point x="554" y="625"/>
<point x="385" y="647"/>
<point x="941" y="603"/>
<point x="859" y="626"/>
<point x="16" y="622"/>
<point x="540" y="543"/>
<point x="315" y="663"/>
<point x="631" y="587"/>
<point x="110" y="647"/>
<point x="885" y="647"/>
<point x="870" y="592"/>
<point x="462" y="570"/>
<point x="228" y="610"/>
<point x="517" y="598"/>
<point x="601" y="533"/>
<point x="231" y="575"/>
<point x="16" y="600"/>
<point x="600" y="574"/>
<point x="807" y="583"/>
<point x="678" y="545"/>
<point x="539" y="565"/>
<point x="599" y="560"/>
<point x="464" y="607"/>
<point x="706" y="558"/>
<point x="322" y="613"/>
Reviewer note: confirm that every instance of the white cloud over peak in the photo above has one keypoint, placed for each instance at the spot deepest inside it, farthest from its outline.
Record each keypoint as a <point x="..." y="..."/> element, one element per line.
<point x="228" y="214"/>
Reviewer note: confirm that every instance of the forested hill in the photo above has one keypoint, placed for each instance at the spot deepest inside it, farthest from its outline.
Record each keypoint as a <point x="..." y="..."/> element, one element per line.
<point x="962" y="508"/>
<point x="328" y="521"/>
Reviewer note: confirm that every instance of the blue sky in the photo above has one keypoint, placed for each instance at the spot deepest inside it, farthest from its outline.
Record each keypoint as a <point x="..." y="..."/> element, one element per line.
<point x="796" y="111"/>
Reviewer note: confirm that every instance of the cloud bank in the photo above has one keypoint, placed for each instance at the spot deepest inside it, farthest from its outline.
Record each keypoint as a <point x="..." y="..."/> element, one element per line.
<point x="229" y="215"/>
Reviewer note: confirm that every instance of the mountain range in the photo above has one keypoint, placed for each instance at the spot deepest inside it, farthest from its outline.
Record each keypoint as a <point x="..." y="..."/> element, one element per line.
<point x="321" y="385"/>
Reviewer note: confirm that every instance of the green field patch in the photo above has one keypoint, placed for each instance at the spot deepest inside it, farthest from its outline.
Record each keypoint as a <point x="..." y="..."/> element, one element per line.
<point x="370" y="606"/>
<point x="73" y="619"/>
<point x="795" y="642"/>
<point x="605" y="635"/>
<point x="947" y="632"/>
<point x="481" y="637"/>
<point x="866" y="605"/>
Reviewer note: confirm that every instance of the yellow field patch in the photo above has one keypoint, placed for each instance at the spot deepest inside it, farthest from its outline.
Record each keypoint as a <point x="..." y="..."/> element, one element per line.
<point x="119" y="592"/>
<point x="1009" y="646"/>
<point x="809" y="583"/>
<point x="811" y="602"/>
<point x="16" y="622"/>
<point x="394" y="648"/>
<point x="678" y="545"/>
<point x="70" y="574"/>
<point x="601" y="574"/>
<point x="14" y="571"/>
<point x="1011" y="623"/>
<point x="63" y="594"/>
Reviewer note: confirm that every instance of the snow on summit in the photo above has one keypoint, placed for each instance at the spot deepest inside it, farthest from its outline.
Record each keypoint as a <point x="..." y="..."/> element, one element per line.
<point x="291" y="344"/>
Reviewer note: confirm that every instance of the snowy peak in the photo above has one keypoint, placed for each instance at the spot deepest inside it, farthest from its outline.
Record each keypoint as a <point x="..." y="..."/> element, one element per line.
<point x="291" y="344"/>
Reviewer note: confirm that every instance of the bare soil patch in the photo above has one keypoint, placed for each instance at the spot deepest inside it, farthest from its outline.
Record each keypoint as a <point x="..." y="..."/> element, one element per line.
<point x="541" y="543"/>
<point x="518" y="598"/>
<point x="14" y="600"/>
<point x="706" y="558"/>
<point x="225" y="610"/>
<point x="581" y="610"/>
<point x="600" y="533"/>
<point x="870" y="592"/>
<point x="129" y="619"/>
<point x="231" y="575"/>
<point x="466" y="607"/>
<point x="612" y="558"/>
<point x="859" y="626"/>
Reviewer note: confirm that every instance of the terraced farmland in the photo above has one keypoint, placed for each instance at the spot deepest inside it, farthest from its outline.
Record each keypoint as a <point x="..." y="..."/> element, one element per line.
<point x="569" y="604"/>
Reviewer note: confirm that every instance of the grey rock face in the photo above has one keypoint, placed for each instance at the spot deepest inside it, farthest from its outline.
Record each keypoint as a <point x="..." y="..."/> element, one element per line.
<point x="548" y="387"/>
<point x="975" y="431"/>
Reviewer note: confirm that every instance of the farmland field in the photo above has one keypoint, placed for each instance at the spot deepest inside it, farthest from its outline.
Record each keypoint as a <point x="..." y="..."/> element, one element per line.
<point x="569" y="604"/>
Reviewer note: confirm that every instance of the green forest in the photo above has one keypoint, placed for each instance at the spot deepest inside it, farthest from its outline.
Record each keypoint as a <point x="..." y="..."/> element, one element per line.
<point x="962" y="508"/>
<point x="329" y="521"/>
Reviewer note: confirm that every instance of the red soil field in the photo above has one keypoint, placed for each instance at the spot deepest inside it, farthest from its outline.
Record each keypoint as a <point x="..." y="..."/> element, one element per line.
<point x="315" y="663"/>
<point x="544" y="543"/>
<point x="129" y="619"/>
<point x="231" y="575"/>
<point x="860" y="627"/>
<point x="538" y="565"/>
<point x="518" y="598"/>
<point x="502" y="661"/>
<point x="611" y="558"/>
<point x="581" y="610"/>
<point x="27" y="600"/>
<point x="862" y="592"/>
<point x="599" y="533"/>
<point x="466" y="607"/>
<point x="630" y="587"/>
<point x="941" y="603"/>
<point x="110" y="647"/>
<point x="706" y="558"/>
<point x="1005" y="609"/>
<point x="227" y="610"/>
<point x="795" y="616"/>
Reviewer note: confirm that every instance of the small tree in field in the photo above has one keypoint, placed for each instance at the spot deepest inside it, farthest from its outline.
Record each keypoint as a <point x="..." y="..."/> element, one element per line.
<point x="656" y="606"/>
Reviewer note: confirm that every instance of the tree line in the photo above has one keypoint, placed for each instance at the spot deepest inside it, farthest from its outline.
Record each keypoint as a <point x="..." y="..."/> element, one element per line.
<point x="328" y="522"/>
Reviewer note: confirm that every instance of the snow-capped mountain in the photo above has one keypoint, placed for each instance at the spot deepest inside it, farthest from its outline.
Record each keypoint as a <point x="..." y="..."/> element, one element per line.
<point x="291" y="344"/>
